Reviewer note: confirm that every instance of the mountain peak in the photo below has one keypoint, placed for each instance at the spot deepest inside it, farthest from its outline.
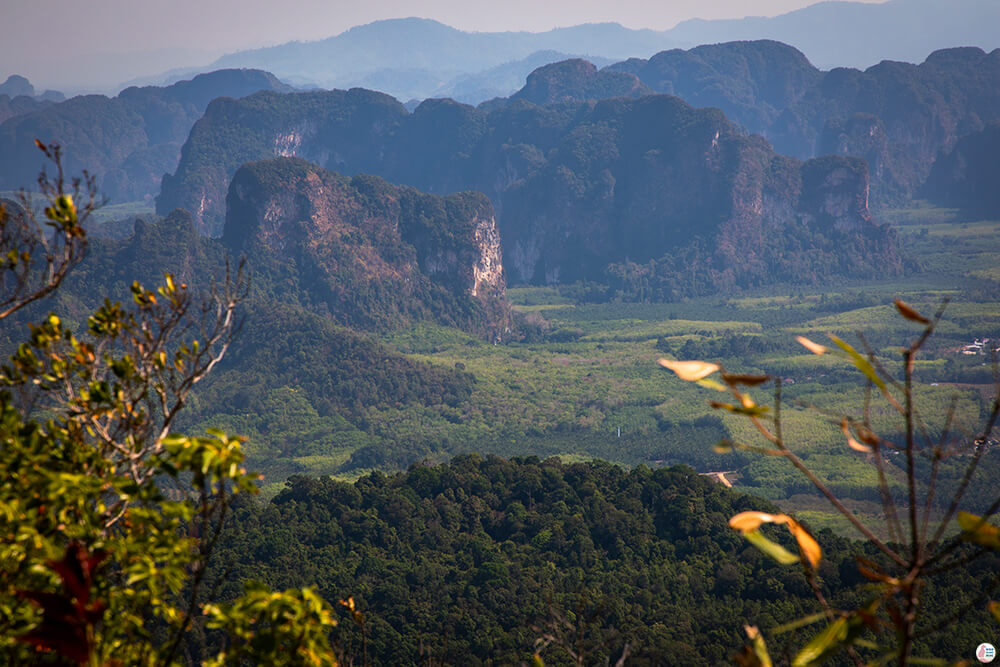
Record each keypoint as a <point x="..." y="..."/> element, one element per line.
<point x="577" y="79"/>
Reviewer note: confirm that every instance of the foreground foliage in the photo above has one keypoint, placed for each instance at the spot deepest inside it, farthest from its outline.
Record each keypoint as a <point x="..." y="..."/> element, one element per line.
<point x="108" y="516"/>
<point x="893" y="616"/>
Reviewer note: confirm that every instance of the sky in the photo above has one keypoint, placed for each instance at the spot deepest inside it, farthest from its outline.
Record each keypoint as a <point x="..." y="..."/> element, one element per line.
<point x="65" y="44"/>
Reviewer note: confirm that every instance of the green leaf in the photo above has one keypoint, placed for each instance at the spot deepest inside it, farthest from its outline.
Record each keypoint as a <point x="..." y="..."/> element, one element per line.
<point x="823" y="645"/>
<point x="755" y="411"/>
<point x="800" y="623"/>
<point x="709" y="383"/>
<point x="861" y="363"/>
<point x="772" y="549"/>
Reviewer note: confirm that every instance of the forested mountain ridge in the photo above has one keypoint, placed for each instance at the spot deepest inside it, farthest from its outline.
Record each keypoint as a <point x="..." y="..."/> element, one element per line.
<point x="430" y="52"/>
<point x="128" y="141"/>
<point x="359" y="251"/>
<point x="577" y="186"/>
<point x="897" y="116"/>
<point x="355" y="123"/>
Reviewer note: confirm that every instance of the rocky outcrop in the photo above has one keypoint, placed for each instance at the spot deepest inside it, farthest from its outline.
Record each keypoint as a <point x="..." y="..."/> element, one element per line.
<point x="370" y="254"/>
<point x="835" y="192"/>
<point x="751" y="82"/>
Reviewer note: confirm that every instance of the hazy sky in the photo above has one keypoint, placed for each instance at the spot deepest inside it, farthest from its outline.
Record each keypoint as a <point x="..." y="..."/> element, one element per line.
<point x="53" y="41"/>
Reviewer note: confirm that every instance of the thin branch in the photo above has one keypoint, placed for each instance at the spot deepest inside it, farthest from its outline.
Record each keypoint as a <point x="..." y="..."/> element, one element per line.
<point x="862" y="528"/>
<point x="967" y="478"/>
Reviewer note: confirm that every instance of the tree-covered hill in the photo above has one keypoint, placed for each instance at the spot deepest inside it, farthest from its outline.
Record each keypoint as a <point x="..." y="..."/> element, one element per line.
<point x="471" y="561"/>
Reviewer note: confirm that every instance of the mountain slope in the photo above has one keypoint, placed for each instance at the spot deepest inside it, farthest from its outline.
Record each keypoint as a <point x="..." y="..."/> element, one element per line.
<point x="578" y="186"/>
<point x="897" y="116"/>
<point x="967" y="176"/>
<point x="128" y="141"/>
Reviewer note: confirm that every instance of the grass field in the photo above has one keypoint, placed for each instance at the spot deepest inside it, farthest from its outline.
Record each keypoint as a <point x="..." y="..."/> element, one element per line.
<point x="571" y="396"/>
<point x="587" y="385"/>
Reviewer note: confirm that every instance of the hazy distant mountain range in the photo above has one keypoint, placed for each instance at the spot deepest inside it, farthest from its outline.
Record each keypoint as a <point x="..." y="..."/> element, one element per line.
<point x="419" y="58"/>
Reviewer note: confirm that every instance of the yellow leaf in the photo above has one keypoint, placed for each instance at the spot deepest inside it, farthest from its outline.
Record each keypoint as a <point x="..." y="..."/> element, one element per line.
<point x="771" y="549"/>
<point x="690" y="371"/>
<point x="709" y="383"/>
<point x="822" y="645"/>
<point x="815" y="348"/>
<point x="759" y="648"/>
<point x="994" y="609"/>
<point x="977" y="531"/>
<point x="747" y="521"/>
<point x="860" y="363"/>
<point x="807" y="543"/>
<point x="851" y="442"/>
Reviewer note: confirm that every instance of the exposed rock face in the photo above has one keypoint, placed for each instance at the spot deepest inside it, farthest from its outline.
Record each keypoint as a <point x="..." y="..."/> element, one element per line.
<point x="577" y="186"/>
<point x="862" y="135"/>
<point x="371" y="254"/>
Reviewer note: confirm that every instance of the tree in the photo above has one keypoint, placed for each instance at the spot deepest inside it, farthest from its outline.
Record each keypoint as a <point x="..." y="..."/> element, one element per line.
<point x="918" y="549"/>
<point x="109" y="517"/>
